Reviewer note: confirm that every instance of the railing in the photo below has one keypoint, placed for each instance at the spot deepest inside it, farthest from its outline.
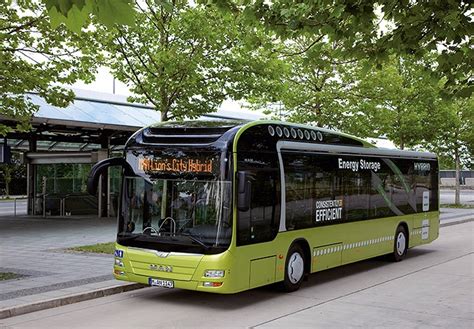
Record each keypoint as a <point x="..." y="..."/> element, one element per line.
<point x="14" y="206"/>
<point x="67" y="205"/>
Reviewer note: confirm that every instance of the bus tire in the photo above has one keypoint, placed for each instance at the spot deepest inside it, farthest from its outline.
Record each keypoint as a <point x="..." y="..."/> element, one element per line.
<point x="400" y="244"/>
<point x="294" y="269"/>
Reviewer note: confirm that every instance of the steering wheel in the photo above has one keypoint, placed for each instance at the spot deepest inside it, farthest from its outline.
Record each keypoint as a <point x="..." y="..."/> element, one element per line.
<point x="151" y="228"/>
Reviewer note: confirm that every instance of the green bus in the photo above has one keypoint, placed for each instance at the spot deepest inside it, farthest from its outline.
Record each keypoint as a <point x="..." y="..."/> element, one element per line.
<point x="226" y="206"/>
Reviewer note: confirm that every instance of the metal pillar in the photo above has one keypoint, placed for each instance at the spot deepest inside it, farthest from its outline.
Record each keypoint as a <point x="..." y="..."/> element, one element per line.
<point x="104" y="181"/>
<point x="31" y="178"/>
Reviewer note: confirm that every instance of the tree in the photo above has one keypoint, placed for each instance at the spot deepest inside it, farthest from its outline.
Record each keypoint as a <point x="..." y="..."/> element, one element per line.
<point x="313" y="88"/>
<point x="7" y="171"/>
<point x="12" y="171"/>
<point x="455" y="137"/>
<point x="369" y="29"/>
<point x="186" y="60"/>
<point x="327" y="89"/>
<point x="398" y="101"/>
<point x="376" y="29"/>
<point x="36" y="58"/>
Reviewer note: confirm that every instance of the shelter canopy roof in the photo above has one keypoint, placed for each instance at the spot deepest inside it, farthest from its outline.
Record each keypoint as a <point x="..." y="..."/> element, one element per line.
<point x="91" y="120"/>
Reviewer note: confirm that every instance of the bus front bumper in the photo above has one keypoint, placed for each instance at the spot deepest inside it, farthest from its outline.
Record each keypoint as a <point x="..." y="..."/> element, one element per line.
<point x="208" y="285"/>
<point x="210" y="273"/>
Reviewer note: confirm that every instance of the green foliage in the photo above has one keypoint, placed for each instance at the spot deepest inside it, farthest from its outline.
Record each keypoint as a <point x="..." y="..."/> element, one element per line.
<point x="186" y="60"/>
<point x="313" y="87"/>
<point x="398" y="101"/>
<point x="376" y="29"/>
<point x="75" y="14"/>
<point x="6" y="170"/>
<point x="10" y="171"/>
<point x="454" y="140"/>
<point x="63" y="178"/>
<point x="36" y="58"/>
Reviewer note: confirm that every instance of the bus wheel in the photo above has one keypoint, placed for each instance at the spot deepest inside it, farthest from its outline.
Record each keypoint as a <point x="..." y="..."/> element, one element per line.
<point x="294" y="269"/>
<point x="400" y="245"/>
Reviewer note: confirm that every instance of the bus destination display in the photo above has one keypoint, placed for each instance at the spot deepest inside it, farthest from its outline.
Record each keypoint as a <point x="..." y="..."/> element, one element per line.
<point x="175" y="165"/>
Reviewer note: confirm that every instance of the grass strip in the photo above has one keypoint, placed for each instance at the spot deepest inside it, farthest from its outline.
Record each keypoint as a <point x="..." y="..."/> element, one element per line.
<point x="100" y="248"/>
<point x="9" y="276"/>
<point x="458" y="206"/>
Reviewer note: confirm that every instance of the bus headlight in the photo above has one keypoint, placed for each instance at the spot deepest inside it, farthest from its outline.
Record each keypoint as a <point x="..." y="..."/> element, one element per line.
<point x="214" y="273"/>
<point x="118" y="262"/>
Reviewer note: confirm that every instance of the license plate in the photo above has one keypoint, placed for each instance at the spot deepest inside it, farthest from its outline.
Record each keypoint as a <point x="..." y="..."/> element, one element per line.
<point x="161" y="283"/>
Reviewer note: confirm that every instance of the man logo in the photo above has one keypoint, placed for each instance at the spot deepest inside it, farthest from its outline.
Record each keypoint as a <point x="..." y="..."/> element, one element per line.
<point x="161" y="268"/>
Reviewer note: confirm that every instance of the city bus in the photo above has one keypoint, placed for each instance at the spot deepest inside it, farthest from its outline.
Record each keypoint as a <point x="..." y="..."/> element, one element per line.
<point x="227" y="206"/>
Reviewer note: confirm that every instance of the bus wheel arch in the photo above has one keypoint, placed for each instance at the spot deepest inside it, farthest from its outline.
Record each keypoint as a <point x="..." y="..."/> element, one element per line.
<point x="307" y="254"/>
<point x="297" y="265"/>
<point x="401" y="242"/>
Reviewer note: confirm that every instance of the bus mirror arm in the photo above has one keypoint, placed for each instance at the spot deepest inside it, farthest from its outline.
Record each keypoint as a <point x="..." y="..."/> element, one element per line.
<point x="100" y="168"/>
<point x="243" y="192"/>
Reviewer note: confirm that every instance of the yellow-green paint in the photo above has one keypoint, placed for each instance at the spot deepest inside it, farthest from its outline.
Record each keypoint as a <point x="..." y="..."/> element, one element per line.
<point x="262" y="271"/>
<point x="255" y="265"/>
<point x="324" y="257"/>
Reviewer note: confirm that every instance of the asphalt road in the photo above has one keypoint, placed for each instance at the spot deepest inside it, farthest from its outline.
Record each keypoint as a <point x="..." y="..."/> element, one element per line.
<point x="433" y="287"/>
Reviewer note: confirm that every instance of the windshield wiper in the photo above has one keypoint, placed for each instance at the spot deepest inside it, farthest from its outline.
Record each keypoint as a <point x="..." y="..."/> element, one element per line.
<point x="195" y="239"/>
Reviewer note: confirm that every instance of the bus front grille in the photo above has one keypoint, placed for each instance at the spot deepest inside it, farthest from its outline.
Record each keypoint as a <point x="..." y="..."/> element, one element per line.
<point x="163" y="271"/>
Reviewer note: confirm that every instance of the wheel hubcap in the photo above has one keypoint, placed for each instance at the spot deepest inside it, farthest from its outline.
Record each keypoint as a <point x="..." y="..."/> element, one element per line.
<point x="295" y="267"/>
<point x="401" y="243"/>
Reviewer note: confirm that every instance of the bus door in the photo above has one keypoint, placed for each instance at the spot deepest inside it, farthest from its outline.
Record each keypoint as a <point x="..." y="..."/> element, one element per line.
<point x="258" y="218"/>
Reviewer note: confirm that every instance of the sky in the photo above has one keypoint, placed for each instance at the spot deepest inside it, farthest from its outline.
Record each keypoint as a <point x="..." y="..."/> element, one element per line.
<point x="104" y="83"/>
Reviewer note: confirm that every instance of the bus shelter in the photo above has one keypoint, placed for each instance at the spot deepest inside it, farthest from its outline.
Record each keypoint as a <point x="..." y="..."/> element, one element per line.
<point x="64" y="143"/>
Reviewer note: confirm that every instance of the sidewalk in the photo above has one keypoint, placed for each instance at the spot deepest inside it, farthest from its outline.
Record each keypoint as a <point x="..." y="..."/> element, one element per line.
<point x="34" y="247"/>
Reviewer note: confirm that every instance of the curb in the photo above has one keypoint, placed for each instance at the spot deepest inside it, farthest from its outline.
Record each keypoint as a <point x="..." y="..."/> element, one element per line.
<point x="71" y="299"/>
<point x="457" y="222"/>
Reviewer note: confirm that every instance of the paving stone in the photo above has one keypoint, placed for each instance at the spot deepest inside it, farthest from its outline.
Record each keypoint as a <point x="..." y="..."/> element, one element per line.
<point x="49" y="270"/>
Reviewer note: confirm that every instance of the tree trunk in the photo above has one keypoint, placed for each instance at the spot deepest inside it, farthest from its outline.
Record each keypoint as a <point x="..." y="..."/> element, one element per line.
<point x="402" y="143"/>
<point x="7" y="188"/>
<point x="457" y="192"/>
<point x="164" y="116"/>
<point x="8" y="178"/>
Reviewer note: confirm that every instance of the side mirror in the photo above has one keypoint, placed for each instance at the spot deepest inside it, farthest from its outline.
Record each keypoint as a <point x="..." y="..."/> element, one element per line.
<point x="244" y="188"/>
<point x="100" y="167"/>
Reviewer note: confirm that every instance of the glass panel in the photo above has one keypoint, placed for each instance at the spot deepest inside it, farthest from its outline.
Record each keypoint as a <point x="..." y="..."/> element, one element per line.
<point x="62" y="179"/>
<point x="260" y="223"/>
<point x="329" y="189"/>
<point x="192" y="211"/>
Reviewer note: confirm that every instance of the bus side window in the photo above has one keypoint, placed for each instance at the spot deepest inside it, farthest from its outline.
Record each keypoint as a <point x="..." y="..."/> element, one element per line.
<point x="260" y="223"/>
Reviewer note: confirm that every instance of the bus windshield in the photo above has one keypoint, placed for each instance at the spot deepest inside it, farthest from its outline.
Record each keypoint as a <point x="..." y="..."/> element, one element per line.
<point x="168" y="214"/>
